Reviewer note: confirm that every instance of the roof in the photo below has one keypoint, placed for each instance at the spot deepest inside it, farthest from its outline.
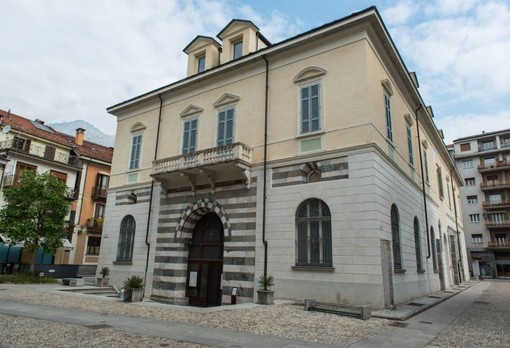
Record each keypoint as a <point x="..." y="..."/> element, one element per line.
<point x="201" y="37"/>
<point x="39" y="130"/>
<point x="482" y="135"/>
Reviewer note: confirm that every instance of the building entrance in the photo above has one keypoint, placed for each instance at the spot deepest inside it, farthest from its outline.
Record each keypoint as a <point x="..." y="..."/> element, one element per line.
<point x="205" y="262"/>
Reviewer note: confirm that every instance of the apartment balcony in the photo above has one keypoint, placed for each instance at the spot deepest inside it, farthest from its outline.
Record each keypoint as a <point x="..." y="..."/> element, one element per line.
<point x="94" y="225"/>
<point x="505" y="144"/>
<point x="500" y="244"/>
<point x="494" y="185"/>
<point x="503" y="224"/>
<point x="228" y="163"/>
<point x="72" y="194"/>
<point x="38" y="151"/>
<point x="496" y="205"/>
<point x="99" y="192"/>
<point x="15" y="180"/>
<point x="487" y="147"/>
<point x="498" y="166"/>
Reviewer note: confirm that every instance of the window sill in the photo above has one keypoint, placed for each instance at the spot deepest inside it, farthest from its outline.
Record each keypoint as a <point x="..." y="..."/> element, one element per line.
<point x="313" y="268"/>
<point x="400" y="271"/>
<point x="310" y="134"/>
<point x="126" y="263"/>
<point x="390" y="143"/>
<point x="421" y="271"/>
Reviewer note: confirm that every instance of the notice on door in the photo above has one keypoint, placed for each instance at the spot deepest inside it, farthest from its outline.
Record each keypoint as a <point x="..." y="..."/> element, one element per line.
<point x="193" y="279"/>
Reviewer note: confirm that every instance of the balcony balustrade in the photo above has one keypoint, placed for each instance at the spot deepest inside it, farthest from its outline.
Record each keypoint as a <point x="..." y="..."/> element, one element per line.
<point x="499" y="244"/>
<point x="99" y="192"/>
<point x="496" y="204"/>
<point x="494" y="184"/>
<point x="487" y="147"/>
<point x="94" y="225"/>
<point x="38" y="151"/>
<point x="497" y="224"/>
<point x="499" y="165"/>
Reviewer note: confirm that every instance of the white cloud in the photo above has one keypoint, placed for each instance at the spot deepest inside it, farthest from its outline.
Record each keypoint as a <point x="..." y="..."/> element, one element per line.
<point x="66" y="60"/>
<point x="463" y="125"/>
<point x="400" y="13"/>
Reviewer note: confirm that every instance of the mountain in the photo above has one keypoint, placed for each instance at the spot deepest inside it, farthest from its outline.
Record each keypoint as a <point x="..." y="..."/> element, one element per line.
<point x="91" y="133"/>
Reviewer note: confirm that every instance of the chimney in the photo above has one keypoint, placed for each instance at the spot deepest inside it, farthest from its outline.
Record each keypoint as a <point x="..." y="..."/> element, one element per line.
<point x="39" y="121"/>
<point x="80" y="133"/>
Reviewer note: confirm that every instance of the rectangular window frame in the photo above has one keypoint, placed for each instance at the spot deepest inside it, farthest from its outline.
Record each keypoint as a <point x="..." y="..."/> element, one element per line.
<point x="200" y="63"/>
<point x="470" y="182"/>
<point x="135" y="154"/>
<point x="222" y="136"/>
<point x="189" y="146"/>
<point x="426" y="166"/>
<point x="474" y="218"/>
<point x="467" y="164"/>
<point x="477" y="238"/>
<point x="473" y="199"/>
<point x="302" y="119"/>
<point x="410" y="144"/>
<point x="388" y="116"/>
<point x="237" y="48"/>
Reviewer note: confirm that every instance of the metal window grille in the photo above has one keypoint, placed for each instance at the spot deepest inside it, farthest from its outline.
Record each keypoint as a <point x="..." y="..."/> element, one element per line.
<point x="395" y="234"/>
<point x="126" y="239"/>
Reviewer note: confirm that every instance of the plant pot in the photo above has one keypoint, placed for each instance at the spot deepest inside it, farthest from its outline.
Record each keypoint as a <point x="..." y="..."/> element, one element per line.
<point x="133" y="295"/>
<point x="265" y="297"/>
<point x="103" y="282"/>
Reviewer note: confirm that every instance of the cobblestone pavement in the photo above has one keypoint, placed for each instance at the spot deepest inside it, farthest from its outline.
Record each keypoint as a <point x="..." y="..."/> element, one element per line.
<point x="486" y="323"/>
<point x="483" y="324"/>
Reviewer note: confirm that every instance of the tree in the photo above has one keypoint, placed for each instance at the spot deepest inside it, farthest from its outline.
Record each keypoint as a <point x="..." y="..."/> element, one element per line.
<point x="34" y="213"/>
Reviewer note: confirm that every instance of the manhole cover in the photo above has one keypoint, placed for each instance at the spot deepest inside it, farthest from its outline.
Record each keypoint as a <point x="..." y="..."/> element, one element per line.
<point x="398" y="324"/>
<point x="98" y="326"/>
<point x="416" y="304"/>
<point x="481" y="302"/>
<point x="434" y="297"/>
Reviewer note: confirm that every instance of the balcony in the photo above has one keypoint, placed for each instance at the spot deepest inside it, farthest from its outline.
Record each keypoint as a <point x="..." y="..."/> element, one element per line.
<point x="99" y="192"/>
<point x="38" y="151"/>
<point x="496" y="205"/>
<point x="494" y="185"/>
<point x="505" y="143"/>
<point x="500" y="244"/>
<point x="230" y="162"/>
<point x="499" y="165"/>
<point x="73" y="194"/>
<point x="14" y="180"/>
<point x="497" y="224"/>
<point x="94" y="225"/>
<point x="487" y="147"/>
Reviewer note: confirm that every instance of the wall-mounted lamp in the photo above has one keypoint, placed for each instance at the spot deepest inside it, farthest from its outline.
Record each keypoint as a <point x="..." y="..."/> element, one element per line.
<point x="132" y="198"/>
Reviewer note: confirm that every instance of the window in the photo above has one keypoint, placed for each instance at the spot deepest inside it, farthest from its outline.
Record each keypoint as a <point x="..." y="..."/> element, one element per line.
<point x="200" y="64"/>
<point x="472" y="199"/>
<point x="489" y="161"/>
<point x="225" y="127"/>
<point x="93" y="245"/>
<point x="470" y="181"/>
<point x="440" y="182"/>
<point x="492" y="178"/>
<point x="395" y="237"/>
<point x="467" y="164"/>
<point x="126" y="239"/>
<point x="449" y="198"/>
<point x="410" y="144"/>
<point x="474" y="217"/>
<point x="387" y="110"/>
<point x="101" y="185"/>
<point x="49" y="152"/>
<point x="465" y="147"/>
<point x="313" y="222"/>
<point x="434" y="249"/>
<point x="500" y="239"/>
<point x="189" y="137"/>
<point x="237" y="50"/>
<point x="495" y="198"/>
<point x="21" y="144"/>
<point x="426" y="165"/>
<point x="497" y="218"/>
<point x="417" y="244"/>
<point x="310" y="108"/>
<point x="136" y="145"/>
<point x="477" y="238"/>
<point x="488" y="145"/>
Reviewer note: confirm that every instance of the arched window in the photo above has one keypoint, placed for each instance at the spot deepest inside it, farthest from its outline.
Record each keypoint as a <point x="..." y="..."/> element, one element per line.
<point x="417" y="244"/>
<point x="395" y="236"/>
<point x="313" y="244"/>
<point x="126" y="239"/>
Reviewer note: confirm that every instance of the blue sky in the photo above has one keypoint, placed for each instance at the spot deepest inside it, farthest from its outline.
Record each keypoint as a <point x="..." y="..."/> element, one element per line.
<point x="65" y="60"/>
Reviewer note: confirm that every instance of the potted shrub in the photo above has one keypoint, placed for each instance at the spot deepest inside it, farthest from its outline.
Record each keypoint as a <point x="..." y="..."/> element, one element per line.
<point x="133" y="289"/>
<point x="264" y="292"/>
<point x="104" y="280"/>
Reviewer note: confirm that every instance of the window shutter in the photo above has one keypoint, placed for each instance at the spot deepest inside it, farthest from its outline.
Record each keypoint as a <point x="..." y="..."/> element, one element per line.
<point x="229" y="131"/>
<point x="221" y="128"/>
<point x="185" y="137"/>
<point x="134" y="161"/>
<point x="314" y="94"/>
<point x="305" y="102"/>
<point x="193" y="135"/>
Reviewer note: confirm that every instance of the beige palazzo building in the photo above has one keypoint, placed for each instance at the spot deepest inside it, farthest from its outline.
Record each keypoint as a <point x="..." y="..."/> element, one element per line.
<point x="314" y="160"/>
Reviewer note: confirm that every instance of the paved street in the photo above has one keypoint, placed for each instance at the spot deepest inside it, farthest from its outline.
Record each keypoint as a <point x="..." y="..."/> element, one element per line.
<point x="475" y="317"/>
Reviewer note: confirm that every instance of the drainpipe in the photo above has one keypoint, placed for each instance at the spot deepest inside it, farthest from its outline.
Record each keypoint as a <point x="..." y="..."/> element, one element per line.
<point x="461" y="270"/>
<point x="423" y="183"/>
<point x="147" y="243"/>
<point x="264" y="241"/>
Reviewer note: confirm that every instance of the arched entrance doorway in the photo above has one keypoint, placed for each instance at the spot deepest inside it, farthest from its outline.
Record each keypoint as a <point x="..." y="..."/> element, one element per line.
<point x="205" y="262"/>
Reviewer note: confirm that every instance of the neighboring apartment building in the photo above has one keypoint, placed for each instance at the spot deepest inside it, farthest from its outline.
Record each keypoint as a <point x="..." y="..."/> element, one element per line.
<point x="484" y="163"/>
<point x="82" y="165"/>
<point x="302" y="159"/>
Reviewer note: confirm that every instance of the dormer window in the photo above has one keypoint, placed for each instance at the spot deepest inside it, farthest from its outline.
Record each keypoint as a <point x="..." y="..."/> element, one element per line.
<point x="237" y="49"/>
<point x="200" y="63"/>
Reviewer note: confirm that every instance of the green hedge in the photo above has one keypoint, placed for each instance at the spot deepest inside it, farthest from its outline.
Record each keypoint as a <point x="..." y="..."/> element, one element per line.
<point x="26" y="278"/>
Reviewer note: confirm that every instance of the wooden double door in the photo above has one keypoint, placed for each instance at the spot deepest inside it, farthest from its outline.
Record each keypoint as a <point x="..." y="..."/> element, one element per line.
<point x="205" y="262"/>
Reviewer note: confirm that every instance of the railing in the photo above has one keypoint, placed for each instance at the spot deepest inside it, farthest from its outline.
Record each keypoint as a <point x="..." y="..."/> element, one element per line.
<point x="94" y="225"/>
<point x="494" y="183"/>
<point x="99" y="192"/>
<point x="501" y="223"/>
<point x="499" y="244"/>
<point x="236" y="151"/>
<point x="73" y="193"/>
<point x="497" y="165"/>
<point x="39" y="151"/>
<point x="487" y="204"/>
<point x="505" y="143"/>
<point x="487" y="147"/>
